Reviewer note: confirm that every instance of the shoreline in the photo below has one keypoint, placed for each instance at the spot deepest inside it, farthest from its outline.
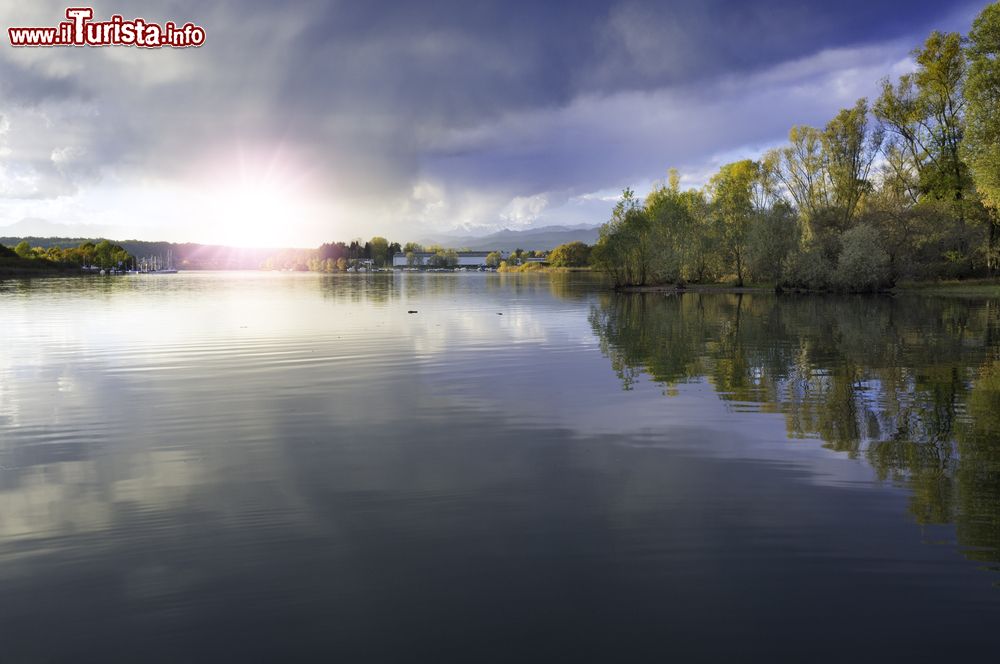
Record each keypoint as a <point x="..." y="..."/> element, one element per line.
<point x="21" y="272"/>
<point x="698" y="288"/>
<point x="970" y="288"/>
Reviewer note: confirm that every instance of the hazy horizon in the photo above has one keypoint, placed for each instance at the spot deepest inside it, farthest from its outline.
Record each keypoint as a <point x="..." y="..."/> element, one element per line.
<point x="72" y="232"/>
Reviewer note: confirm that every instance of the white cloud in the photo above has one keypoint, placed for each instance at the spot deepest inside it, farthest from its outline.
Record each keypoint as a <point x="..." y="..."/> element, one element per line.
<point x="523" y="211"/>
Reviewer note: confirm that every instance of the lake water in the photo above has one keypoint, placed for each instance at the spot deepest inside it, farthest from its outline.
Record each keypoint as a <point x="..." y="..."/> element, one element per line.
<point x="244" y="466"/>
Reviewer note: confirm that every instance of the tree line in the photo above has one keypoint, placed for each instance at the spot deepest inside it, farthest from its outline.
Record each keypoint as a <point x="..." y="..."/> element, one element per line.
<point x="334" y="256"/>
<point x="103" y="254"/>
<point x="906" y="186"/>
<point x="341" y="256"/>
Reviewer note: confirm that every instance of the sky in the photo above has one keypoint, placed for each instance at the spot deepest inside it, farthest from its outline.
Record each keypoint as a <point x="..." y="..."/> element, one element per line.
<point x="301" y="122"/>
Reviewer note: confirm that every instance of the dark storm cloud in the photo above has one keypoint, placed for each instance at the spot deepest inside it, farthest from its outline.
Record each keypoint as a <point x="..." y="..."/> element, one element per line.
<point x="456" y="61"/>
<point x="510" y="97"/>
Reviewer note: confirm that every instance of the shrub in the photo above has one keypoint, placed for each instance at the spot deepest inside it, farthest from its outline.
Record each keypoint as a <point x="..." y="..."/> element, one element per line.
<point x="863" y="266"/>
<point x="571" y="254"/>
<point x="773" y="236"/>
<point x="809" y="270"/>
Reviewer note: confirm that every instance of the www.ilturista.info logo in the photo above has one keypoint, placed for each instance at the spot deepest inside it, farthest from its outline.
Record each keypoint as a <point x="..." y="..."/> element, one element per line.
<point x="79" y="30"/>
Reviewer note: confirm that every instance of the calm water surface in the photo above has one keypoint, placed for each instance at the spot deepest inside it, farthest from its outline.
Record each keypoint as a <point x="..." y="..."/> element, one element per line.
<point x="248" y="467"/>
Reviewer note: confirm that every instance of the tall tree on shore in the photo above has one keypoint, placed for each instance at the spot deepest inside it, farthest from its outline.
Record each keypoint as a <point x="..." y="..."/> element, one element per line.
<point x="924" y="115"/>
<point x="623" y="247"/>
<point x="732" y="190"/>
<point x="850" y="149"/>
<point x="800" y="167"/>
<point x="924" y="112"/>
<point x="378" y="248"/>
<point x="671" y="230"/>
<point x="982" y="140"/>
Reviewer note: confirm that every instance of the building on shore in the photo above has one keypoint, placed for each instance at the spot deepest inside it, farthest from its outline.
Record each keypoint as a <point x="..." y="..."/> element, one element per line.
<point x="421" y="258"/>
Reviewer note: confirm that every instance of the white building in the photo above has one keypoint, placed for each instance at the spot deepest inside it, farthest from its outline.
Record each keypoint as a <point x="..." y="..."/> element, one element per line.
<point x="420" y="258"/>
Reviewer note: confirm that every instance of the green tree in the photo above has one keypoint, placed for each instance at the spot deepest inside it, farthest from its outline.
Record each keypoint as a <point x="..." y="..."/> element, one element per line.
<point x="670" y="230"/>
<point x="493" y="259"/>
<point x="732" y="204"/>
<point x="801" y="168"/>
<point x="924" y="115"/>
<point x="623" y="249"/>
<point x="862" y="265"/>
<point x="981" y="145"/>
<point x="772" y="238"/>
<point x="849" y="151"/>
<point x="571" y="254"/>
<point x="24" y="250"/>
<point x="704" y="260"/>
<point x="86" y="252"/>
<point x="378" y="249"/>
<point x="443" y="258"/>
<point x="103" y="254"/>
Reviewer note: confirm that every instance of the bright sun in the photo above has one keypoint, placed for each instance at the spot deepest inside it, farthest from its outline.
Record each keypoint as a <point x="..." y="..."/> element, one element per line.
<point x="255" y="215"/>
<point x="254" y="205"/>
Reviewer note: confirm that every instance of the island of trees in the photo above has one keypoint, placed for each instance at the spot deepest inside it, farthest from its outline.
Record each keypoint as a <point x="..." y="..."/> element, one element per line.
<point x="903" y="187"/>
<point x="26" y="260"/>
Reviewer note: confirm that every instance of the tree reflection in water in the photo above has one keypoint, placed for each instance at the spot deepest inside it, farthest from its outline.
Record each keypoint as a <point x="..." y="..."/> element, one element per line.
<point x="911" y="384"/>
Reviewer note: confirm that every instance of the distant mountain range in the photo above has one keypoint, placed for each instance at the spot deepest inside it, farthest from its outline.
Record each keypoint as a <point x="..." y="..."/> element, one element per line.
<point x="543" y="237"/>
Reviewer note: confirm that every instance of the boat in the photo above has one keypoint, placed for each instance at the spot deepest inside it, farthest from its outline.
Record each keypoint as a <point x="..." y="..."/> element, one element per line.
<point x="155" y="265"/>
